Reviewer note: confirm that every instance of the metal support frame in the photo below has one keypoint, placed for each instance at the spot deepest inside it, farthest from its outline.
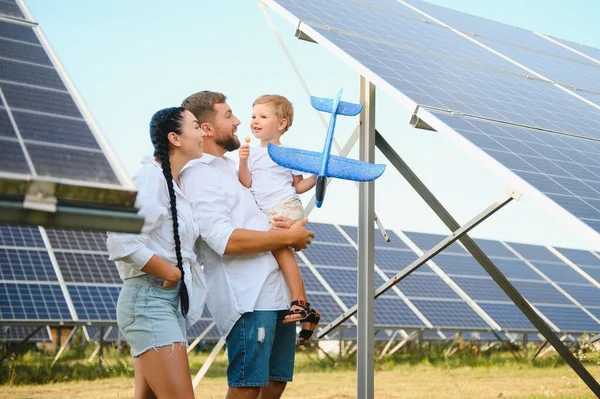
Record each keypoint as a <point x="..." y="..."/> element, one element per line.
<point x="208" y="362"/>
<point x="486" y="213"/>
<point x="22" y="342"/>
<point x="366" y="248"/>
<point x="63" y="346"/>
<point x="400" y="344"/>
<point x="487" y="264"/>
<point x="201" y="336"/>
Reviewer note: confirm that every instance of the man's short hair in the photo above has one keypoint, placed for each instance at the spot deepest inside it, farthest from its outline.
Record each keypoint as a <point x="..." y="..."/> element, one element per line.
<point x="283" y="107"/>
<point x="202" y="104"/>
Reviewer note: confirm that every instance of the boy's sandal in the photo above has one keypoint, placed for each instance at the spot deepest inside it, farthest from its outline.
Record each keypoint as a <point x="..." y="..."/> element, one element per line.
<point x="306" y="333"/>
<point x="301" y="312"/>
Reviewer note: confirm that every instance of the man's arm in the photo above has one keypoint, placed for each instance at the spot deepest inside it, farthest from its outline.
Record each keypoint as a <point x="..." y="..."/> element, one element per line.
<point x="244" y="242"/>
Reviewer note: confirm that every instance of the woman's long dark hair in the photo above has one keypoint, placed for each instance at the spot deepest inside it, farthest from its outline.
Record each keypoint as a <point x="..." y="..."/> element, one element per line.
<point x="164" y="122"/>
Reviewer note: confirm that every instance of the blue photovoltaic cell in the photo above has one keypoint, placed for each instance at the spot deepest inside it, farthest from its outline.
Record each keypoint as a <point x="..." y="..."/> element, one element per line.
<point x="565" y="169"/>
<point x="54" y="129"/>
<point x="20" y="236"/>
<point x="395" y="260"/>
<point x="507" y="315"/>
<point x="12" y="158"/>
<point x="199" y="327"/>
<point x="26" y="265"/>
<point x="95" y="302"/>
<point x="344" y="280"/>
<point x="587" y="50"/>
<point x="535" y="252"/>
<point x="426" y="286"/>
<point x="109" y="336"/>
<point x="87" y="268"/>
<point x="331" y="255"/>
<point x="481" y="288"/>
<point x="28" y="52"/>
<point x="326" y="305"/>
<point x="32" y="302"/>
<point x="77" y="240"/>
<point x="494" y="249"/>
<point x="11" y="9"/>
<point x="580" y="257"/>
<point x="19" y="333"/>
<point x="395" y="241"/>
<point x="560" y="273"/>
<point x="6" y="127"/>
<point x="587" y="295"/>
<point x="311" y="283"/>
<point x="593" y="272"/>
<point x="516" y="269"/>
<point x="17" y="32"/>
<point x="427" y="241"/>
<point x="449" y="314"/>
<point x="569" y="318"/>
<point x="595" y="311"/>
<point x="326" y="233"/>
<point x="37" y="75"/>
<point x="389" y="311"/>
<point x="540" y="292"/>
<point x="39" y="99"/>
<point x="459" y="265"/>
<point x="406" y="53"/>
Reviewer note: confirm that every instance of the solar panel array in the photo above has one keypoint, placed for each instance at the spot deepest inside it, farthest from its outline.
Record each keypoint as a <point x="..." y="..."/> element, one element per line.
<point x="509" y="107"/>
<point x="50" y="275"/>
<point x="43" y="131"/>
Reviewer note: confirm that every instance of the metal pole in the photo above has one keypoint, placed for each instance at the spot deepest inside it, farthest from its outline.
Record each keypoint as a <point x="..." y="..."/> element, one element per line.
<point x="487" y="264"/>
<point x="366" y="248"/>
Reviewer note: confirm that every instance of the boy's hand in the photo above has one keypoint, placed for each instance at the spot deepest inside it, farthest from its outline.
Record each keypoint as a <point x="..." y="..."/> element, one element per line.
<point x="244" y="151"/>
<point x="282" y="222"/>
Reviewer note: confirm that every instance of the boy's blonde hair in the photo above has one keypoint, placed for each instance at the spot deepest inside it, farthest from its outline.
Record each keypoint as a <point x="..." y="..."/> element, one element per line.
<point x="283" y="107"/>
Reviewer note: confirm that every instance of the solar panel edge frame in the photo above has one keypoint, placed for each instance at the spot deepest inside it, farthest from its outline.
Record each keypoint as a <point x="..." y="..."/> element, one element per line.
<point x="565" y="216"/>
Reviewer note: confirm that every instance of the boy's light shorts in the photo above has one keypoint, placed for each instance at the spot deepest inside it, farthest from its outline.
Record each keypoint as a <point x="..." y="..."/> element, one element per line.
<point x="291" y="208"/>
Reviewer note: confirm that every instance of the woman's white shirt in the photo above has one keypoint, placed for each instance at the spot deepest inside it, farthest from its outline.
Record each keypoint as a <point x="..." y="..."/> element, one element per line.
<point x="131" y="252"/>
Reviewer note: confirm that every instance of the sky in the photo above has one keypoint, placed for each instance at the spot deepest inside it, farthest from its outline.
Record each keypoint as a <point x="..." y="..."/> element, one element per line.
<point x="128" y="59"/>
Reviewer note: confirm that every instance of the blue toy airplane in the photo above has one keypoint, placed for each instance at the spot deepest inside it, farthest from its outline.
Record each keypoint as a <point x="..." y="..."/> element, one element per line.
<point x="324" y="164"/>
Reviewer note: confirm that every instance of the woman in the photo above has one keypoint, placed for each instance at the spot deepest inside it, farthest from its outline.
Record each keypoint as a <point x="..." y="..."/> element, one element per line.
<point x="163" y="285"/>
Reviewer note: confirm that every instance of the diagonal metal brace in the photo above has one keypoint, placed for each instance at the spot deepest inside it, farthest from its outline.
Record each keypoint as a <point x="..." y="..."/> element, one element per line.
<point x="427" y="256"/>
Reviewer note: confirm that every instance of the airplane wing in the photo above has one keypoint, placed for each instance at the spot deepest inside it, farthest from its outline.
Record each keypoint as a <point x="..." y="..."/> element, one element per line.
<point x="326" y="105"/>
<point x="338" y="167"/>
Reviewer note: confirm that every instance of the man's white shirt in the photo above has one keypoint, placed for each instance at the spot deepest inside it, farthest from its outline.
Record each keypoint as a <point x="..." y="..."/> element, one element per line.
<point x="221" y="204"/>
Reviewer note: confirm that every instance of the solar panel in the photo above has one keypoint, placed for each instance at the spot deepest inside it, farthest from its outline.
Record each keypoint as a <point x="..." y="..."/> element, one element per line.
<point x="95" y="303"/>
<point x="11" y="9"/>
<point x="586" y="50"/>
<point x="331" y="255"/>
<point x="326" y="233"/>
<point x="450" y="314"/>
<point x="428" y="241"/>
<point x="421" y="62"/>
<point x="110" y="333"/>
<point x="27" y="301"/>
<point x="570" y="318"/>
<point x="49" y="147"/>
<point x="565" y="169"/>
<point x="552" y="61"/>
<point x="20" y="236"/>
<point x="389" y="311"/>
<point x="380" y="243"/>
<point x="19" y="333"/>
<point x="507" y="315"/>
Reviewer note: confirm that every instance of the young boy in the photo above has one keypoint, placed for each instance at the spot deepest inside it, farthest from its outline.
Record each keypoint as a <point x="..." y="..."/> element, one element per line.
<point x="276" y="190"/>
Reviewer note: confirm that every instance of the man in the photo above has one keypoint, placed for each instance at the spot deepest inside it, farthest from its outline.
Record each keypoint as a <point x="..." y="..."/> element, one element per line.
<point x="247" y="294"/>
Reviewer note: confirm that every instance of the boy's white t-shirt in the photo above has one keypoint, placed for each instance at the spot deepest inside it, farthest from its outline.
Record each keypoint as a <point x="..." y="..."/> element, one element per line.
<point x="271" y="183"/>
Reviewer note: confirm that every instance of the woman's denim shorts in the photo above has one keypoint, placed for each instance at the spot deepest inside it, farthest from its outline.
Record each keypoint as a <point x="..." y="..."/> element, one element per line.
<point x="148" y="315"/>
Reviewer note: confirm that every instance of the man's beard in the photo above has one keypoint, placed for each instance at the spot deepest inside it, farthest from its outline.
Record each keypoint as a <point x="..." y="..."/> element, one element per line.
<point x="230" y="143"/>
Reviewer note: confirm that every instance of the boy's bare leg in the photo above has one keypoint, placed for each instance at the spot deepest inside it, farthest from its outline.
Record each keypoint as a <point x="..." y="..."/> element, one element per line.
<point x="291" y="272"/>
